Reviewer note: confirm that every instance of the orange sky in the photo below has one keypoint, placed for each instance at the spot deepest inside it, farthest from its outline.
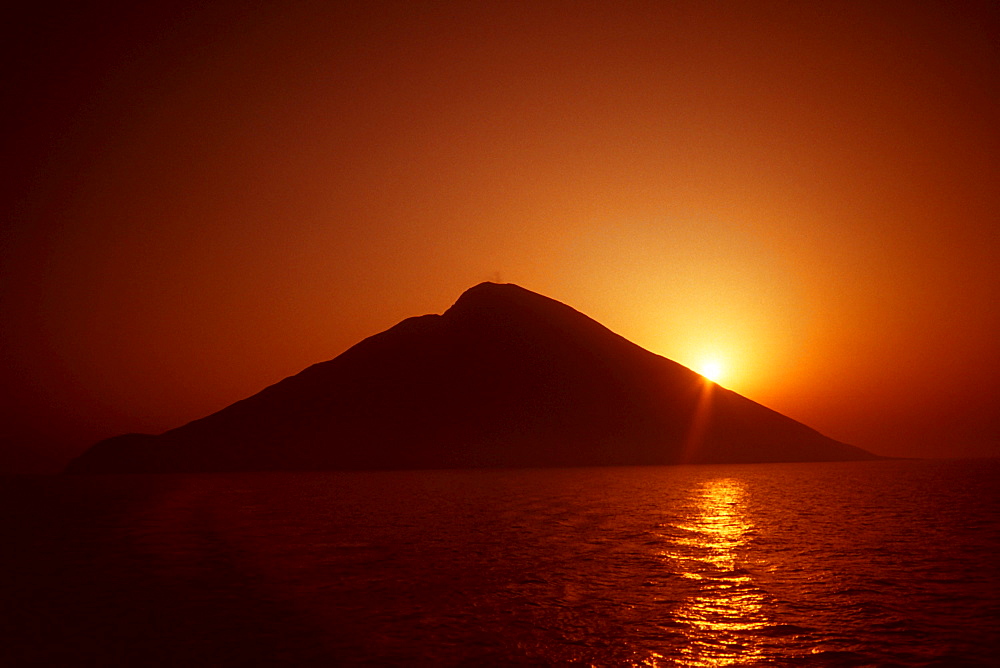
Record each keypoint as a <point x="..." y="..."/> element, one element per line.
<point x="205" y="198"/>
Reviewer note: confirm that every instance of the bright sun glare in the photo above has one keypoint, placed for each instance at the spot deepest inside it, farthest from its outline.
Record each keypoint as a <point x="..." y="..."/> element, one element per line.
<point x="712" y="369"/>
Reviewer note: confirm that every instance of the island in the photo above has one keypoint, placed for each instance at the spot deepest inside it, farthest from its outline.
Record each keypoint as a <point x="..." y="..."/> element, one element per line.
<point x="504" y="378"/>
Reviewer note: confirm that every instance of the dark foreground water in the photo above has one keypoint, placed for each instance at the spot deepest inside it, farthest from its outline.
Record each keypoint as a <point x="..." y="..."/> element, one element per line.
<point x="852" y="564"/>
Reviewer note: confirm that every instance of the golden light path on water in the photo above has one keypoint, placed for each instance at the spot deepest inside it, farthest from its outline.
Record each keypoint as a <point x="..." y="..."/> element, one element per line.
<point x="719" y="621"/>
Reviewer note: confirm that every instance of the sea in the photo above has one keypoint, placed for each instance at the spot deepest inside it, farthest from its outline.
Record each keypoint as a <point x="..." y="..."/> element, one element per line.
<point x="880" y="563"/>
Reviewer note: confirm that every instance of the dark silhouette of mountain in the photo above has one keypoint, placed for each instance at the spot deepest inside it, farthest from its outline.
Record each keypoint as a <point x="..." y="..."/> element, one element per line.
<point x="505" y="377"/>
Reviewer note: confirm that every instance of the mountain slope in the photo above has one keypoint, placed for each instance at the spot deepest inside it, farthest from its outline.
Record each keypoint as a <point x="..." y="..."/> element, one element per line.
<point x="505" y="377"/>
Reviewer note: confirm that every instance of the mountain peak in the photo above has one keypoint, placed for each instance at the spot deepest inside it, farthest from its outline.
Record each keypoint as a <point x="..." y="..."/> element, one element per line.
<point x="498" y="295"/>
<point x="511" y="306"/>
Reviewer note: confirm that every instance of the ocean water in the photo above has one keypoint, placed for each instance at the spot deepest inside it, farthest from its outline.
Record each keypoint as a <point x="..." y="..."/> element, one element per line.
<point x="889" y="563"/>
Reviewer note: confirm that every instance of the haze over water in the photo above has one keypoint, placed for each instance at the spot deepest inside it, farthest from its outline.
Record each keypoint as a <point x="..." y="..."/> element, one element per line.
<point x="838" y="564"/>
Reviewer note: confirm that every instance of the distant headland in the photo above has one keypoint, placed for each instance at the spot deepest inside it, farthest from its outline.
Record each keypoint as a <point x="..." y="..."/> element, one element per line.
<point x="504" y="378"/>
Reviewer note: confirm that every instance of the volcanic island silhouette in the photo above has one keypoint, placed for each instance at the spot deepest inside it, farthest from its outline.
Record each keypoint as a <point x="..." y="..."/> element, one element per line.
<point x="504" y="378"/>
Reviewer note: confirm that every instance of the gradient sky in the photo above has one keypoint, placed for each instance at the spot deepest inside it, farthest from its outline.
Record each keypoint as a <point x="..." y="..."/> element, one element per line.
<point x="203" y="198"/>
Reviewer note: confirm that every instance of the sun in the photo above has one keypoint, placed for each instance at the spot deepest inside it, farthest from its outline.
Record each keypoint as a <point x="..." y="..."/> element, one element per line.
<point x="712" y="368"/>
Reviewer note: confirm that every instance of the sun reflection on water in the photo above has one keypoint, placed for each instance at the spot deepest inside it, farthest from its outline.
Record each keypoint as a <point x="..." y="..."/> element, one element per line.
<point x="721" y="620"/>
